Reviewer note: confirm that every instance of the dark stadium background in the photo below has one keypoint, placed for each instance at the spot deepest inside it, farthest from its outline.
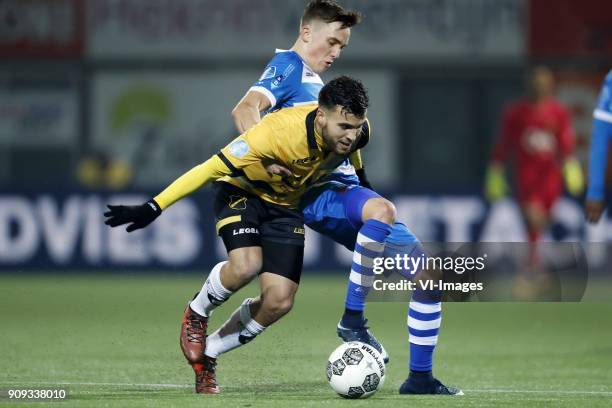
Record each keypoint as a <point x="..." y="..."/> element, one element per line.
<point x="105" y="99"/>
<point x="109" y="100"/>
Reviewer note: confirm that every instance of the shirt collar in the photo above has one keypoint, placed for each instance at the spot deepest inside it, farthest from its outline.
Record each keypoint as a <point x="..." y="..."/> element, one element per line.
<point x="280" y="50"/>
<point x="311" y="134"/>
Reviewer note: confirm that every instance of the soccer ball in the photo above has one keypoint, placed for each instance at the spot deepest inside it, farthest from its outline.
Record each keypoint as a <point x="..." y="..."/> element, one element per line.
<point x="355" y="370"/>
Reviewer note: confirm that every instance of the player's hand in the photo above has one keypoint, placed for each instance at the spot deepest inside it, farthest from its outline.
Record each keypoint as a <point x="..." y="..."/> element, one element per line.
<point x="574" y="179"/>
<point x="138" y="216"/>
<point x="496" y="186"/>
<point x="278" y="170"/>
<point x="593" y="210"/>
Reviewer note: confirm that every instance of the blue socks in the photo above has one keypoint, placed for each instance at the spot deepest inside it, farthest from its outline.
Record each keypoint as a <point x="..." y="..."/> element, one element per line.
<point x="370" y="244"/>
<point x="424" y="318"/>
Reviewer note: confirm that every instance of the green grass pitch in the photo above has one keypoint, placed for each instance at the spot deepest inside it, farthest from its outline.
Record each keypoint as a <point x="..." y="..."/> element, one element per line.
<point x="113" y="341"/>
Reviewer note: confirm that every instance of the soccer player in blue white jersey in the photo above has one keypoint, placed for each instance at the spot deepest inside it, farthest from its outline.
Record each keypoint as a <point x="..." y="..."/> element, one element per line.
<point x="600" y="145"/>
<point x="334" y="207"/>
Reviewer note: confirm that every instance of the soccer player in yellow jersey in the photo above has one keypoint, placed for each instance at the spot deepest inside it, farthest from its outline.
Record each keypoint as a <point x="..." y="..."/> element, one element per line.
<point x="258" y="214"/>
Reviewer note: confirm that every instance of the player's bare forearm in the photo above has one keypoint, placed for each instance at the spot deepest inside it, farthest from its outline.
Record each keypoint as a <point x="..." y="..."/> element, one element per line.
<point x="245" y="117"/>
<point x="247" y="113"/>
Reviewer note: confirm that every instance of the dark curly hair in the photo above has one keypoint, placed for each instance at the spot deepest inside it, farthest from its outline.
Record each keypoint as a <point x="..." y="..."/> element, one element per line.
<point x="330" y="11"/>
<point x="347" y="92"/>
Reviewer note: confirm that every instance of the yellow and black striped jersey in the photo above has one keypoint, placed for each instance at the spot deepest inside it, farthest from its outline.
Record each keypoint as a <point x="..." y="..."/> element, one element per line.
<point x="287" y="137"/>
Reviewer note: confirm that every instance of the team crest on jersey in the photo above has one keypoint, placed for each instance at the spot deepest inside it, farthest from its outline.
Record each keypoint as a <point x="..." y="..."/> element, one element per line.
<point x="239" y="148"/>
<point x="270" y="72"/>
<point x="237" y="202"/>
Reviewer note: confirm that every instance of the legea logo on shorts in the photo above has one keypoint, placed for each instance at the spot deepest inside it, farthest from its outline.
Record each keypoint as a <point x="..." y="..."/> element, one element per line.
<point x="240" y="231"/>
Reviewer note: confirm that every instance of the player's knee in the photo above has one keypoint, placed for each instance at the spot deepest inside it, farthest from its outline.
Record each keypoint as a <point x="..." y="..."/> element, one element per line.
<point x="282" y="307"/>
<point x="278" y="305"/>
<point x="381" y="210"/>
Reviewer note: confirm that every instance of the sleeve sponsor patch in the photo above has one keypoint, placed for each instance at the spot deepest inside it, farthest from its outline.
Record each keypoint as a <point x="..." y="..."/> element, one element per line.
<point x="238" y="148"/>
<point x="270" y="72"/>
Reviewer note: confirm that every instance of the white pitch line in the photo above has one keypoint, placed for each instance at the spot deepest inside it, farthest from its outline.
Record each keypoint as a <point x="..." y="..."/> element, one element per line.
<point x="109" y="384"/>
<point x="567" y="392"/>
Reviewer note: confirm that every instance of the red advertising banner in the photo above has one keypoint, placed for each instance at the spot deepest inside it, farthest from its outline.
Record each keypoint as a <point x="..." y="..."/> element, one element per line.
<point x="32" y="28"/>
<point x="570" y="28"/>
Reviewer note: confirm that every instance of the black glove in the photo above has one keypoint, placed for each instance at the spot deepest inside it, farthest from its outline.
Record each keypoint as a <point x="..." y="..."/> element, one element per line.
<point x="363" y="180"/>
<point x="139" y="216"/>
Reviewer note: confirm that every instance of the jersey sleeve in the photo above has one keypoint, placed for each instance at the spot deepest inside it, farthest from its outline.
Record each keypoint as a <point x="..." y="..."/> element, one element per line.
<point x="356" y="160"/>
<point x="253" y="146"/>
<point x="210" y="170"/>
<point x="364" y="137"/>
<point x="276" y="81"/>
<point x="603" y="110"/>
<point x="601" y="139"/>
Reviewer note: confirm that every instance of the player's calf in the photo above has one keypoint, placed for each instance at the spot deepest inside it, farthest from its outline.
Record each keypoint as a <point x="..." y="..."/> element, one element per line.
<point x="276" y="300"/>
<point x="226" y="278"/>
<point x="253" y="316"/>
<point x="375" y="215"/>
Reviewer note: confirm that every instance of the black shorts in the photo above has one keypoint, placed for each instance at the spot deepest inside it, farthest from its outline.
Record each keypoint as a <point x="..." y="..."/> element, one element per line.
<point x="245" y="220"/>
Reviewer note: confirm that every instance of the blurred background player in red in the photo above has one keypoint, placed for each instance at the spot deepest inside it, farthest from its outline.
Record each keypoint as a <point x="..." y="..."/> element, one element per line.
<point x="536" y="131"/>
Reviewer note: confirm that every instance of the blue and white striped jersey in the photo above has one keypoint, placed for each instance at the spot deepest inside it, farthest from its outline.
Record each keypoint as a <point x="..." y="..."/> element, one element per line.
<point x="601" y="138"/>
<point x="287" y="81"/>
<point x="603" y="111"/>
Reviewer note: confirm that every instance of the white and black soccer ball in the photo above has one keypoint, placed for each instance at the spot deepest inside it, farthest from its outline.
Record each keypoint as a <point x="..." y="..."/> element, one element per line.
<point x="355" y="370"/>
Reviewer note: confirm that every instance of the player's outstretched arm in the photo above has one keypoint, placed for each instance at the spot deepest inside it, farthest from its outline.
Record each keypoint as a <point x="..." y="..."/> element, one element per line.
<point x="601" y="139"/>
<point x="247" y="113"/>
<point x="139" y="216"/>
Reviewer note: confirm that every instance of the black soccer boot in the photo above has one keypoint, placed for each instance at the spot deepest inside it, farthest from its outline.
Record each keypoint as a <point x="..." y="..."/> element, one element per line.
<point x="364" y="335"/>
<point x="424" y="383"/>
